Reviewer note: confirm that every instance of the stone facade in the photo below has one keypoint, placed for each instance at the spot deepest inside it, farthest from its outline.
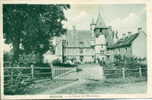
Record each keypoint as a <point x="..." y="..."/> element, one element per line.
<point x="100" y="42"/>
<point x="133" y="45"/>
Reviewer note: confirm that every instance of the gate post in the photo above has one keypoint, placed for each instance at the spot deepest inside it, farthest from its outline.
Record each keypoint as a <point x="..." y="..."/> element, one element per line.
<point x="52" y="72"/>
<point x="12" y="77"/>
<point x="32" y="71"/>
<point x="123" y="73"/>
<point x="140" y="72"/>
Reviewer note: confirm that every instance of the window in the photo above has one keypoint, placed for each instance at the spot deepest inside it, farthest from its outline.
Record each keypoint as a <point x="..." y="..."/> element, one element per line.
<point x="103" y="46"/>
<point x="118" y="50"/>
<point x="81" y="42"/>
<point x="101" y="51"/>
<point x="126" y="49"/>
<point x="108" y="56"/>
<point x="81" y="50"/>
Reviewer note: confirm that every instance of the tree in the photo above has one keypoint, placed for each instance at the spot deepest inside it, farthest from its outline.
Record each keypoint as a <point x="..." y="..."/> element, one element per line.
<point x="30" y="27"/>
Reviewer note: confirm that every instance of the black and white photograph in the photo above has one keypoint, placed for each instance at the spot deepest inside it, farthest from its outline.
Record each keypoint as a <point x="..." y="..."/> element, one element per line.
<point x="71" y="49"/>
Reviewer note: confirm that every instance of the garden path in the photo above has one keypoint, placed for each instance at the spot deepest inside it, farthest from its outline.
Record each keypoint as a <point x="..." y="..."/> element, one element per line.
<point x="89" y="71"/>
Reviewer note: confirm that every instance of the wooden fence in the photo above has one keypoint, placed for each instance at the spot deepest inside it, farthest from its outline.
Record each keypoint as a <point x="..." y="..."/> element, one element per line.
<point x="59" y="72"/>
<point x="34" y="73"/>
<point x="125" y="72"/>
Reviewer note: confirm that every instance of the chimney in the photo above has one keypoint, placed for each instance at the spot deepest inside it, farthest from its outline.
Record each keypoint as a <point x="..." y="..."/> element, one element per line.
<point x="110" y="27"/>
<point x="139" y="30"/>
<point x="129" y="33"/>
<point x="123" y="35"/>
<point x="74" y="35"/>
<point x="74" y="28"/>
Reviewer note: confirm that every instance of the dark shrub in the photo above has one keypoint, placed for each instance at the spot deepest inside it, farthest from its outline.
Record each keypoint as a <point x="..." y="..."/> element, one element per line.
<point x="16" y="80"/>
<point x="57" y="62"/>
<point x="132" y="63"/>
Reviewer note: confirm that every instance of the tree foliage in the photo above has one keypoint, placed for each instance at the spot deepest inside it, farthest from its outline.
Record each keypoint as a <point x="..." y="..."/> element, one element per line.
<point x="30" y="27"/>
<point x="129" y="61"/>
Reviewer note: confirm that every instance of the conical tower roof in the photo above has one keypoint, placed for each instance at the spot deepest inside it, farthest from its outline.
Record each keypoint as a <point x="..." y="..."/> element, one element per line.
<point x="93" y="22"/>
<point x="100" y="22"/>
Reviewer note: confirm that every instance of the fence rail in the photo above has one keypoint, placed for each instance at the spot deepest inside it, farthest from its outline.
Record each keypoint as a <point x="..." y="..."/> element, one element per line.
<point x="124" y="72"/>
<point x="59" y="72"/>
<point x="53" y="72"/>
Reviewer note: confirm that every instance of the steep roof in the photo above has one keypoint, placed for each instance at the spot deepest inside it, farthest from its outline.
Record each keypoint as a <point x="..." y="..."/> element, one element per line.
<point x="124" y="42"/>
<point x="100" y="22"/>
<point x="84" y="35"/>
<point x="79" y="36"/>
<point x="93" y="22"/>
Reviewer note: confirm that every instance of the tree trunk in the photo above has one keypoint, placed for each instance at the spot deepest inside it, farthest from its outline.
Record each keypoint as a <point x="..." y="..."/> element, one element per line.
<point x="15" y="51"/>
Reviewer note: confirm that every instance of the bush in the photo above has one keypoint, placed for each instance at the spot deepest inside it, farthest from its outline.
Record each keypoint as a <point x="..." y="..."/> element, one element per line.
<point x="28" y="59"/>
<point x="127" y="62"/>
<point x="58" y="62"/>
<point x="41" y="65"/>
<point x="16" y="83"/>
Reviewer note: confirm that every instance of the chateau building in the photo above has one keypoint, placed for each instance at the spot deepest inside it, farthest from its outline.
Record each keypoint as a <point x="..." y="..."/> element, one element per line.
<point x="86" y="45"/>
<point x="132" y="45"/>
<point x="100" y="42"/>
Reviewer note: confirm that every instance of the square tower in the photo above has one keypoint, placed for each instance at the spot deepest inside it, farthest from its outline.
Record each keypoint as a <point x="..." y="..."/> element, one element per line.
<point x="100" y="32"/>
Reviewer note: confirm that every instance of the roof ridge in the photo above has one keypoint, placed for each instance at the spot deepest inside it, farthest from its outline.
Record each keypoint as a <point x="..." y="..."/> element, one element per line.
<point x="100" y="22"/>
<point x="124" y="42"/>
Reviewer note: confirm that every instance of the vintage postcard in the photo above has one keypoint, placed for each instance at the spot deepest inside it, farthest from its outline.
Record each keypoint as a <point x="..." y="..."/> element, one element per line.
<point x="73" y="49"/>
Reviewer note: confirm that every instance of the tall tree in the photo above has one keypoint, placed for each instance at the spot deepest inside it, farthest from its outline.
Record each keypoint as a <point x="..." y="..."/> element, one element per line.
<point x="30" y="27"/>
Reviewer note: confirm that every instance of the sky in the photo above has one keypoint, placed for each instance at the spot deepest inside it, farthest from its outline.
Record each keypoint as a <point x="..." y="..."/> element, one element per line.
<point x="122" y="17"/>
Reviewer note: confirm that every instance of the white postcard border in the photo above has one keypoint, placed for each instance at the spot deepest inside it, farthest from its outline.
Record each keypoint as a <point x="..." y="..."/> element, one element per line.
<point x="77" y="96"/>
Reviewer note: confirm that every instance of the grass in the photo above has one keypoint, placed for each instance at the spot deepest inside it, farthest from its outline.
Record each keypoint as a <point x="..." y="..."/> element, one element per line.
<point x="128" y="85"/>
<point x="38" y="87"/>
<point x="111" y="85"/>
<point x="123" y="81"/>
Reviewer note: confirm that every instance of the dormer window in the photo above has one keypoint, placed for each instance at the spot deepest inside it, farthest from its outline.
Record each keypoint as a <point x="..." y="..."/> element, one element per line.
<point x="81" y="42"/>
<point x="67" y="43"/>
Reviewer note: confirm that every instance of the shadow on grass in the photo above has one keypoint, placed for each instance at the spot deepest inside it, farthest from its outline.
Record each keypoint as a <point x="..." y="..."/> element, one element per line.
<point x="93" y="85"/>
<point x="126" y="80"/>
<point x="39" y="87"/>
<point x="88" y="87"/>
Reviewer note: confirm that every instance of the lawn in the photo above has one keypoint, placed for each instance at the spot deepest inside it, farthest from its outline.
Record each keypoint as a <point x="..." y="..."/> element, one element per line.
<point x="108" y="86"/>
<point x="39" y="87"/>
